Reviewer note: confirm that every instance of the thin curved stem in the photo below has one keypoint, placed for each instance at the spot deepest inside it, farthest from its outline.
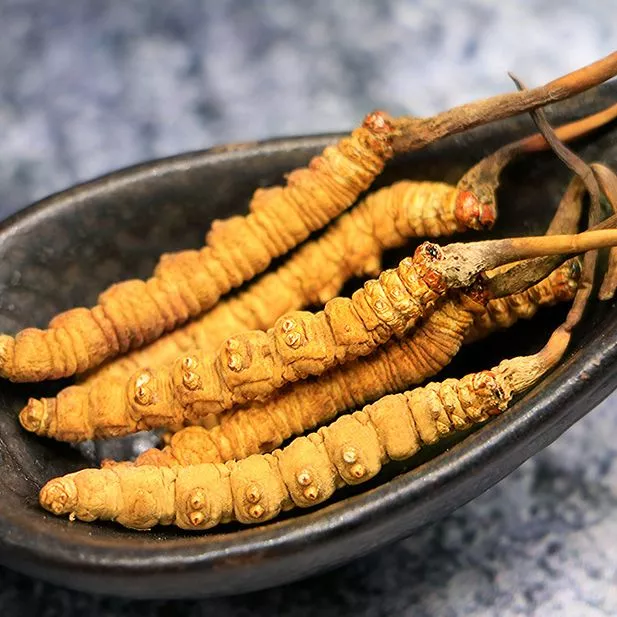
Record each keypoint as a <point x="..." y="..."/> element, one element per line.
<point x="414" y="133"/>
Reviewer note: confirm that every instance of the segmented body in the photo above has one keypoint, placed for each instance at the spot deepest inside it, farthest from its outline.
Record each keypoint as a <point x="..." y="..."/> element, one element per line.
<point x="398" y="365"/>
<point x="262" y="427"/>
<point x="184" y="284"/>
<point x="353" y="246"/>
<point x="250" y="365"/>
<point x="256" y="489"/>
<point x="253" y="365"/>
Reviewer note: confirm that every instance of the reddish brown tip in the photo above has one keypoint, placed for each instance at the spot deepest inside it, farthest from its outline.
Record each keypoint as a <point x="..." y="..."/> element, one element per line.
<point x="378" y="122"/>
<point x="478" y="292"/>
<point x="471" y="213"/>
<point x="566" y="280"/>
<point x="424" y="257"/>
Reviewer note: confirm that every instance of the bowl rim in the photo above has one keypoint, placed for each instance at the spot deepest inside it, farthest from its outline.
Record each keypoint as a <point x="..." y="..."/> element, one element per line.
<point x="332" y="534"/>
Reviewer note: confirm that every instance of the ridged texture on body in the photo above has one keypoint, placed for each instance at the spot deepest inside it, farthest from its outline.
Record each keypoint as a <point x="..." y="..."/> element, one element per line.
<point x="396" y="366"/>
<point x="349" y="451"/>
<point x="262" y="427"/>
<point x="353" y="246"/>
<point x="132" y="313"/>
<point x="250" y="365"/>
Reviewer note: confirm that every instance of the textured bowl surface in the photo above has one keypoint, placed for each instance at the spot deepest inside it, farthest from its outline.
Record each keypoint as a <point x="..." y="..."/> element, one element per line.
<point x="64" y="250"/>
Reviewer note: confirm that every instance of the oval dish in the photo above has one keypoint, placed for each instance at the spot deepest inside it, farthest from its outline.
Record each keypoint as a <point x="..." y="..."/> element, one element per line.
<point x="64" y="250"/>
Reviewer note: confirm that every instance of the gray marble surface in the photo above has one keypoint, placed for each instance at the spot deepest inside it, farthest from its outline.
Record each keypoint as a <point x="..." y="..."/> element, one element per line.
<point x="88" y="87"/>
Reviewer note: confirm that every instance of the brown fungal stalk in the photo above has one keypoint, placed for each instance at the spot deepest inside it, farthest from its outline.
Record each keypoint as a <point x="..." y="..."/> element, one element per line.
<point x="415" y="133"/>
<point x="608" y="183"/>
<point x="478" y="186"/>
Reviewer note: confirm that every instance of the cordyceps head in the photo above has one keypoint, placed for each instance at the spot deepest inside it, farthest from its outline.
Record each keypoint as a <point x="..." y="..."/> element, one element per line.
<point x="476" y="200"/>
<point x="478" y="293"/>
<point x="59" y="496"/>
<point x="425" y="259"/>
<point x="379" y="121"/>
<point x="476" y="209"/>
<point x="566" y="280"/>
<point x="35" y="416"/>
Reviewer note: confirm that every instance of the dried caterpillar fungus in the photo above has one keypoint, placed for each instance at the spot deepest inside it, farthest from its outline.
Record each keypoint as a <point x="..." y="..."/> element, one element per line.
<point x="353" y="448"/>
<point x="262" y="427"/>
<point x="77" y="414"/>
<point x="352" y="247"/>
<point x="133" y="313"/>
<point x="315" y="274"/>
<point x="608" y="182"/>
<point x="252" y="365"/>
<point x="184" y="284"/>
<point x="184" y="393"/>
<point x="180" y="393"/>
<point x="349" y="451"/>
<point x="398" y="365"/>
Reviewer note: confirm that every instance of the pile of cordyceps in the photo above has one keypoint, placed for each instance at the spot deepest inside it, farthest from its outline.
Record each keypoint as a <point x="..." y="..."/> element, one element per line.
<point x="249" y="387"/>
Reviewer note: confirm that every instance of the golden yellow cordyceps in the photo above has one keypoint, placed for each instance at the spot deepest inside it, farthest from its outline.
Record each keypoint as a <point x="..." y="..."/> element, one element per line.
<point x="307" y="472"/>
<point x="185" y="284"/>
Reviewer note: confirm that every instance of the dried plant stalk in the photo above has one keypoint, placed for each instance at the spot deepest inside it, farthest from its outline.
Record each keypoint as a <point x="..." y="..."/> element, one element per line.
<point x="398" y="365"/>
<point x="133" y="313"/>
<point x="350" y="451"/>
<point x="502" y="313"/>
<point x="414" y="133"/>
<point x="527" y="273"/>
<point x="608" y="182"/>
<point x="478" y="186"/>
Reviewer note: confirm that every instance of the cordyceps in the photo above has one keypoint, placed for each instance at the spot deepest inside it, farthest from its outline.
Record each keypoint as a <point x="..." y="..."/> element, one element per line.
<point x="352" y="247"/>
<point x="185" y="284"/>
<point x="398" y="365"/>
<point x="310" y="469"/>
<point x="307" y="472"/>
<point x="254" y="364"/>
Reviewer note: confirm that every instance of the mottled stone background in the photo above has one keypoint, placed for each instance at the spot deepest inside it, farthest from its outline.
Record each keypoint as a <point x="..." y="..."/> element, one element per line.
<point x="88" y="87"/>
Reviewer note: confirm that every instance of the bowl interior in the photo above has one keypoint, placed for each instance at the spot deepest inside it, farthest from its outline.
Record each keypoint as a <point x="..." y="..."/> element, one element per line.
<point x="65" y="250"/>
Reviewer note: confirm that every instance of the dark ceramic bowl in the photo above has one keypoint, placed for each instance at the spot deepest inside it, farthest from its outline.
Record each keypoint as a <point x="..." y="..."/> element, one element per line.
<point x="62" y="251"/>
